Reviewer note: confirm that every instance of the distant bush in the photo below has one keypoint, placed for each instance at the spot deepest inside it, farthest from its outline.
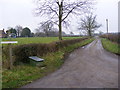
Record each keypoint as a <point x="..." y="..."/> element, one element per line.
<point x="115" y="37"/>
<point x="21" y="53"/>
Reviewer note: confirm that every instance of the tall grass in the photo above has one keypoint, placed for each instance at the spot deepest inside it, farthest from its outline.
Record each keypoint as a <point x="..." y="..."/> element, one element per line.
<point x="111" y="46"/>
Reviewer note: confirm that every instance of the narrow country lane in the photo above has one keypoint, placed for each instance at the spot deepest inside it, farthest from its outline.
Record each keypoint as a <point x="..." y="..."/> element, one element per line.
<point x="87" y="67"/>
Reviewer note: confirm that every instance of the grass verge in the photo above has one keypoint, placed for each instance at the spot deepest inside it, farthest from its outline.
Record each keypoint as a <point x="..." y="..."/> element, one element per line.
<point x="111" y="46"/>
<point x="28" y="40"/>
<point x="24" y="74"/>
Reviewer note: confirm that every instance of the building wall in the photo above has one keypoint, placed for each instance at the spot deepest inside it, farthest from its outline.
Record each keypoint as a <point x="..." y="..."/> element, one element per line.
<point x="2" y="34"/>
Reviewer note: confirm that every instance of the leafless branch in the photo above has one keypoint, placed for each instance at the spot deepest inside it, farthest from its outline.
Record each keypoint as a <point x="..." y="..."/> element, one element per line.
<point x="58" y="11"/>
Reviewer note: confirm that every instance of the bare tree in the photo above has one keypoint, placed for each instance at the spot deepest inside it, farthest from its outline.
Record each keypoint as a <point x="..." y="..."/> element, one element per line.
<point x="18" y="29"/>
<point x="71" y="33"/>
<point x="89" y="24"/>
<point x="46" y="27"/>
<point x="60" y="10"/>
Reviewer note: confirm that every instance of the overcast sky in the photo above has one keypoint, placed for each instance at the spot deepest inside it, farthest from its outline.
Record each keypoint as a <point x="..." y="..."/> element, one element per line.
<point x="20" y="12"/>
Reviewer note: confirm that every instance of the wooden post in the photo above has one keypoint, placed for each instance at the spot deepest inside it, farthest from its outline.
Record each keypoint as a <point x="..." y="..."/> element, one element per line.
<point x="10" y="56"/>
<point x="10" y="51"/>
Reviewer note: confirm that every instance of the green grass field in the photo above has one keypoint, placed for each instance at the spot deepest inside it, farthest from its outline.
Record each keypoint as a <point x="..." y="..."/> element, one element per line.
<point x="23" y="74"/>
<point x="37" y="39"/>
<point x="111" y="46"/>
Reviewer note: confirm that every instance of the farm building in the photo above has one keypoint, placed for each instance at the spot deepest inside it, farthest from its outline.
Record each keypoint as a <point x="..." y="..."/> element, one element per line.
<point x="2" y="34"/>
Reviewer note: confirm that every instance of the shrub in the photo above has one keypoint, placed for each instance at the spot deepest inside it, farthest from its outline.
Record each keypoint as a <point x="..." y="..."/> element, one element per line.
<point x="21" y="53"/>
<point x="114" y="37"/>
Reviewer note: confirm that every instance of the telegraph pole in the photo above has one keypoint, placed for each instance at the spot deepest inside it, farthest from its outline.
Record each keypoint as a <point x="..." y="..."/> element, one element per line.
<point x="107" y="25"/>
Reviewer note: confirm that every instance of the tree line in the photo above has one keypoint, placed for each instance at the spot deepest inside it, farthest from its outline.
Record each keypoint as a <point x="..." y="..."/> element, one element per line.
<point x="60" y="11"/>
<point x="19" y="31"/>
<point x="88" y="24"/>
<point x="44" y="30"/>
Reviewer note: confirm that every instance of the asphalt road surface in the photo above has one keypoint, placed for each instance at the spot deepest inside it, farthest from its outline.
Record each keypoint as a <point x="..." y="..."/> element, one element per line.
<point x="87" y="67"/>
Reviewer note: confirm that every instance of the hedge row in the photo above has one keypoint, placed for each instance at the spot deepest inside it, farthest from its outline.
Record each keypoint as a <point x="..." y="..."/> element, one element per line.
<point x="21" y="53"/>
<point x="114" y="37"/>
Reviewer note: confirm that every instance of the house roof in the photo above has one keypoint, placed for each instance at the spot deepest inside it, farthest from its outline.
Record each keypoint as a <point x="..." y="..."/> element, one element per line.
<point x="2" y="32"/>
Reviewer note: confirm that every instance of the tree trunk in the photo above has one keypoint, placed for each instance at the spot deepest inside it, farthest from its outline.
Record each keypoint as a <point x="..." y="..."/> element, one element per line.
<point x="17" y="34"/>
<point x="89" y="33"/>
<point x="60" y="30"/>
<point x="60" y="21"/>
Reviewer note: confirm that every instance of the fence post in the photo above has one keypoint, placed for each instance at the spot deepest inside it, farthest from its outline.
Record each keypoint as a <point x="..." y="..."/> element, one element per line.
<point x="10" y="55"/>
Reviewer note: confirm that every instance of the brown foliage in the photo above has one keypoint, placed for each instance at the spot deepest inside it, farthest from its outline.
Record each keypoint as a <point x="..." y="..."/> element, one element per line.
<point x="113" y="37"/>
